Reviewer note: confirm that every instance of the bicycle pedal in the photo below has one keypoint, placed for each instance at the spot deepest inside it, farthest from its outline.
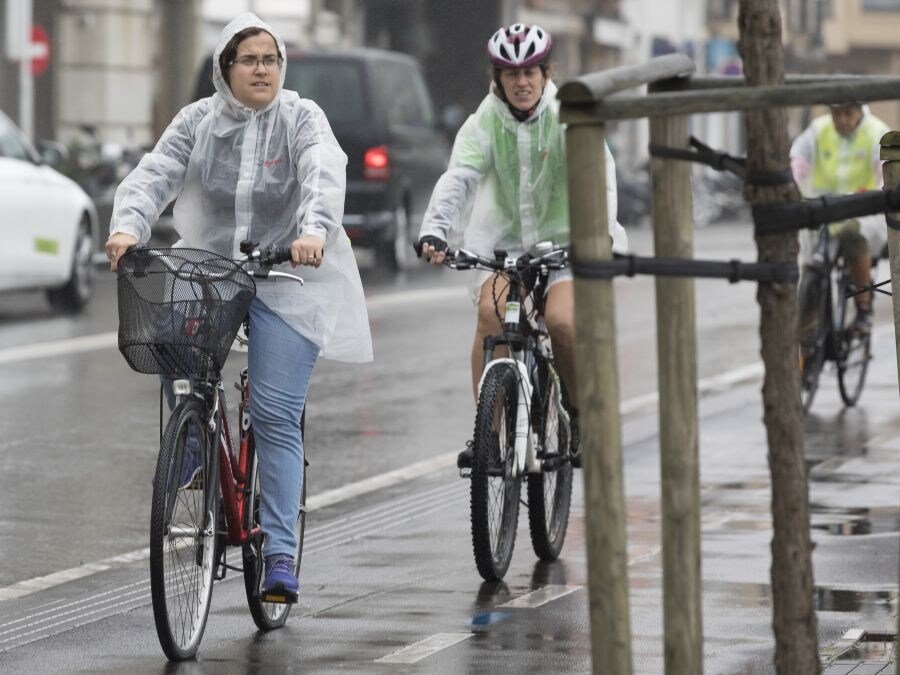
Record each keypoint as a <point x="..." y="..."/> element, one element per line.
<point x="278" y="596"/>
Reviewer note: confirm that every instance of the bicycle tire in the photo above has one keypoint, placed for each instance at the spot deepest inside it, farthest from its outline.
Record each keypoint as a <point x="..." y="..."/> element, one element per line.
<point x="183" y="526"/>
<point x="815" y="301"/>
<point x="550" y="491"/>
<point x="267" y="615"/>
<point x="494" y="489"/>
<point x="855" y="350"/>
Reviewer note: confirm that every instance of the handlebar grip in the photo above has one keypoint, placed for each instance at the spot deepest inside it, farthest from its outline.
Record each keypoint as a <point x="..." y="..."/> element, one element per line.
<point x="275" y="255"/>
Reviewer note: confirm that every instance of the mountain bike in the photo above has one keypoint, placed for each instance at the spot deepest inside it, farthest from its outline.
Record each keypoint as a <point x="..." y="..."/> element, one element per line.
<point x="180" y="310"/>
<point x="828" y="330"/>
<point x="523" y="429"/>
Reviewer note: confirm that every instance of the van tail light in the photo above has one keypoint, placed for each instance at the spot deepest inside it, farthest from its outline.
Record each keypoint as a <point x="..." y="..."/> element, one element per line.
<point x="376" y="164"/>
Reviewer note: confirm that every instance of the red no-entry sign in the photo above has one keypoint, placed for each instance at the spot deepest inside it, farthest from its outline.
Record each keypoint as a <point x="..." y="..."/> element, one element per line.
<point x="40" y="50"/>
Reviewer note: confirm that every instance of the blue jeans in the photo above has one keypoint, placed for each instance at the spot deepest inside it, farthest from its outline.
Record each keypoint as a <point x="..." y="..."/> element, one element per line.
<point x="280" y="363"/>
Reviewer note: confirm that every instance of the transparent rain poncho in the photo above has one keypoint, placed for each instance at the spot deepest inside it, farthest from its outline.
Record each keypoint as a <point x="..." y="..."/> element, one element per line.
<point x="268" y="175"/>
<point x="505" y="186"/>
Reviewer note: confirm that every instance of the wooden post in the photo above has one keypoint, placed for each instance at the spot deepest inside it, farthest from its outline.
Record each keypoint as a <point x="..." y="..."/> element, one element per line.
<point x="794" y="616"/>
<point x="677" y="359"/>
<point x="890" y="152"/>
<point x="598" y="401"/>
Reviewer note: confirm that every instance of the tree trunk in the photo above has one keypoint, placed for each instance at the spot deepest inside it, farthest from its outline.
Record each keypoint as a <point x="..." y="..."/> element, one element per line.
<point x="794" y="618"/>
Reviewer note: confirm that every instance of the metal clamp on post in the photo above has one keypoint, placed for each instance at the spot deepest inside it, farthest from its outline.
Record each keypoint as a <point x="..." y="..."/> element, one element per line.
<point x="732" y="270"/>
<point x="770" y="178"/>
<point x="703" y="154"/>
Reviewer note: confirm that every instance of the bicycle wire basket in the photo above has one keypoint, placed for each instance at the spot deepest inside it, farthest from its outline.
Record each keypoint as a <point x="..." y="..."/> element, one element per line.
<point x="180" y="309"/>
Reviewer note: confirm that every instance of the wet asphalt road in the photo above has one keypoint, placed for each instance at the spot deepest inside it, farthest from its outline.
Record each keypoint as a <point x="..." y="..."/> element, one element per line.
<point x="391" y="566"/>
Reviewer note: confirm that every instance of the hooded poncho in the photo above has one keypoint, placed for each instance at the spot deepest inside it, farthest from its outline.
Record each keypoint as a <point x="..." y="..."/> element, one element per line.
<point x="267" y="175"/>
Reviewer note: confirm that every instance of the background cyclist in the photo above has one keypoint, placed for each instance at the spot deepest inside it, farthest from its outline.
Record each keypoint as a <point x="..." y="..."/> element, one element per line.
<point x="257" y="162"/>
<point x="505" y="188"/>
<point x="838" y="153"/>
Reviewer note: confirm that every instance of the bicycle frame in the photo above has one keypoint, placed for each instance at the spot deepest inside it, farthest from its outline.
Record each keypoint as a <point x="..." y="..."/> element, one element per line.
<point x="234" y="468"/>
<point x="522" y="349"/>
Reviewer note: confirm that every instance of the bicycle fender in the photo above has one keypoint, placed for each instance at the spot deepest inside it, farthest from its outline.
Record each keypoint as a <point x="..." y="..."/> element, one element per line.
<point x="524" y="445"/>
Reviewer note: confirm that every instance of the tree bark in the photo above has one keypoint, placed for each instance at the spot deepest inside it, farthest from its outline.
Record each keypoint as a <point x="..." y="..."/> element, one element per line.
<point x="794" y="618"/>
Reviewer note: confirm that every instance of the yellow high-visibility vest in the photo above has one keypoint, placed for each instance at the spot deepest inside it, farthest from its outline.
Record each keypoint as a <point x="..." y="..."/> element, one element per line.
<point x="845" y="165"/>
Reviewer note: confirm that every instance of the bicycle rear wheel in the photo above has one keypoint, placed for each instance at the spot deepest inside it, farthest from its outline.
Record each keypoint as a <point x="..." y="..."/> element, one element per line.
<point x="815" y="322"/>
<point x="494" y="486"/>
<point x="855" y="350"/>
<point x="183" y="524"/>
<point x="550" y="491"/>
<point x="267" y="615"/>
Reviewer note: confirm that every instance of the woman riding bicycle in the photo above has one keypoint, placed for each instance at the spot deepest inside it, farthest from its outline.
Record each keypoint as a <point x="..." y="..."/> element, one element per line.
<point x="505" y="188"/>
<point x="255" y="161"/>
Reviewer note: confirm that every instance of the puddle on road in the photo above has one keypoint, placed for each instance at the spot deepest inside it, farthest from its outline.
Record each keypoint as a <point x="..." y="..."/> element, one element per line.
<point x="826" y="599"/>
<point x="842" y="600"/>
<point x="866" y="523"/>
<point x="854" y="521"/>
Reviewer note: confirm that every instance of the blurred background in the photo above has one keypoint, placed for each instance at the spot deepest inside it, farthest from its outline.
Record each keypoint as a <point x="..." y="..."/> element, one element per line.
<point x="106" y="76"/>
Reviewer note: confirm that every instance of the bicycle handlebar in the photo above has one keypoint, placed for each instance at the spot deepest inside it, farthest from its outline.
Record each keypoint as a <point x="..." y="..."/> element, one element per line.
<point x="461" y="259"/>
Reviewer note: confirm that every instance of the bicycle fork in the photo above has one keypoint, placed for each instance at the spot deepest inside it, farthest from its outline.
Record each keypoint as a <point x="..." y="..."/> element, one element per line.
<point x="525" y="444"/>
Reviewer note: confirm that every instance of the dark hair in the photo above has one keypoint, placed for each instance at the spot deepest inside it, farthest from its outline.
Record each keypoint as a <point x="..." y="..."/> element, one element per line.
<point x="230" y="50"/>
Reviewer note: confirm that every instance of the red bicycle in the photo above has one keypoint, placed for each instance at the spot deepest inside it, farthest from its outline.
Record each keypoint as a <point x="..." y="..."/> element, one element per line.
<point x="179" y="313"/>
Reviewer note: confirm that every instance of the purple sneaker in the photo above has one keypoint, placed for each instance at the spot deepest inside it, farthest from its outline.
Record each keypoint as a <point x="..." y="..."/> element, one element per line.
<point x="280" y="584"/>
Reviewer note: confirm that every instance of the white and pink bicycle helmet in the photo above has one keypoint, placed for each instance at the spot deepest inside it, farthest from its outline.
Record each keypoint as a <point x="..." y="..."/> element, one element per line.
<point x="519" y="46"/>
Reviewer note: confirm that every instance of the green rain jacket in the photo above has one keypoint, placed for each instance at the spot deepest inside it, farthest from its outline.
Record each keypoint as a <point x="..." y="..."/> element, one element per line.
<point x="505" y="186"/>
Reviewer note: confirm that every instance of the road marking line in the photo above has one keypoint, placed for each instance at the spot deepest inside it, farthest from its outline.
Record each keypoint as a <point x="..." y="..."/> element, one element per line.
<point x="87" y="343"/>
<point x="541" y="596"/>
<point x="425" y="648"/>
<point x="389" y="479"/>
<point x="318" y="501"/>
<point x="327" y="498"/>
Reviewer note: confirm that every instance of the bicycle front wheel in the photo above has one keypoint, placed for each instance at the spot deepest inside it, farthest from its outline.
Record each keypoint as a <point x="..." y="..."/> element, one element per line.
<point x="267" y="615"/>
<point x="183" y="524"/>
<point x="855" y="350"/>
<point x="815" y="322"/>
<point x="494" y="485"/>
<point x="550" y="491"/>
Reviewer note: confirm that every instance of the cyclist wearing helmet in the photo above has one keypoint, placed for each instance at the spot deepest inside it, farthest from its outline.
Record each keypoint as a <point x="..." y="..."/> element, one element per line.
<point x="505" y="188"/>
<point x="840" y="153"/>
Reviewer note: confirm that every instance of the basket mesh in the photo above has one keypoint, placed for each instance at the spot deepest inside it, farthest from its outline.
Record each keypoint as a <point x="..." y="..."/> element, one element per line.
<point x="179" y="309"/>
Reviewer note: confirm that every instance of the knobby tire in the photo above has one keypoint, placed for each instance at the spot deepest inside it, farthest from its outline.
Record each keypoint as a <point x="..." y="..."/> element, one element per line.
<point x="550" y="491"/>
<point x="494" y="488"/>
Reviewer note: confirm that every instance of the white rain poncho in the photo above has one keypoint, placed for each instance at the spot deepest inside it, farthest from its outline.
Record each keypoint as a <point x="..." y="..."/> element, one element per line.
<point x="269" y="176"/>
<point x="480" y="202"/>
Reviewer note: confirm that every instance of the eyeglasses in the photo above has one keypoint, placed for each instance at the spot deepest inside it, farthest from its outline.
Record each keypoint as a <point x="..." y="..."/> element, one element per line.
<point x="269" y="61"/>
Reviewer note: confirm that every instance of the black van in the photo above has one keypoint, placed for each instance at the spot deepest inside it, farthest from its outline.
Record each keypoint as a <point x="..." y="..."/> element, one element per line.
<point x="382" y="115"/>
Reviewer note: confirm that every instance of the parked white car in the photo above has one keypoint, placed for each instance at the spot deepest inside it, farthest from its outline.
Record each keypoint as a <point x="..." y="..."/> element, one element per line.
<point x="48" y="226"/>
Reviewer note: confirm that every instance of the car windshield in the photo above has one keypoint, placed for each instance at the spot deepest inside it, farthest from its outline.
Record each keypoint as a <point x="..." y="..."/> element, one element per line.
<point x="337" y="86"/>
<point x="12" y="143"/>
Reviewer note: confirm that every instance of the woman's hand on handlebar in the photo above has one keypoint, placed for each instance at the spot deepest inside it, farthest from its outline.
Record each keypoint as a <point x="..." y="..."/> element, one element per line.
<point x="116" y="246"/>
<point x="309" y="249"/>
<point x="433" y="249"/>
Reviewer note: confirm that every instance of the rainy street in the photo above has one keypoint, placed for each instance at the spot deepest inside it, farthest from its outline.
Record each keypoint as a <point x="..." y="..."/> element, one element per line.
<point x="388" y="582"/>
